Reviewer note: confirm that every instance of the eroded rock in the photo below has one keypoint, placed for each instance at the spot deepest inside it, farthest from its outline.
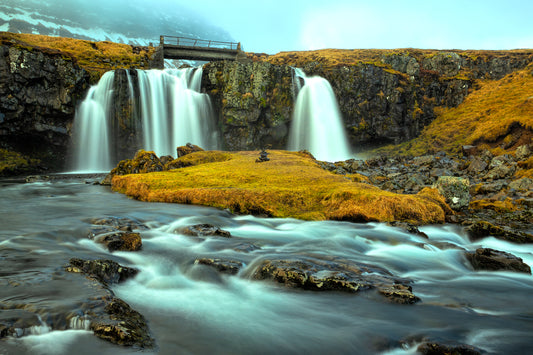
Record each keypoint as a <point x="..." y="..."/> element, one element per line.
<point x="204" y="230"/>
<point x="224" y="266"/>
<point x="321" y="275"/>
<point x="106" y="271"/>
<point x="496" y="260"/>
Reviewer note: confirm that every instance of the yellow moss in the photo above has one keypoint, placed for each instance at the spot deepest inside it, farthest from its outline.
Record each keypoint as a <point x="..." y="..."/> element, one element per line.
<point x="12" y="162"/>
<point x="499" y="206"/>
<point x="291" y="184"/>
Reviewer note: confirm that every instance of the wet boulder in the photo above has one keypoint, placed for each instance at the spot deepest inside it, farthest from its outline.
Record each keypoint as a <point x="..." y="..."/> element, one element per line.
<point x="436" y="348"/>
<point x="224" y="266"/>
<point x="106" y="271"/>
<point x="120" y="223"/>
<point x="204" y="230"/>
<point x="482" y="229"/>
<point x="121" y="324"/>
<point x="323" y="275"/>
<point x="120" y="241"/>
<point x="496" y="260"/>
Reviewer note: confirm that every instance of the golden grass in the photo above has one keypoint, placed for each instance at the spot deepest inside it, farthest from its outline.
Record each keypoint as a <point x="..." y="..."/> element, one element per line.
<point x="95" y="57"/>
<point x="487" y="115"/>
<point x="289" y="185"/>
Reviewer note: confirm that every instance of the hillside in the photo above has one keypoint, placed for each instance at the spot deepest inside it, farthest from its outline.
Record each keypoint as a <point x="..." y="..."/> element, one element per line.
<point x="499" y="116"/>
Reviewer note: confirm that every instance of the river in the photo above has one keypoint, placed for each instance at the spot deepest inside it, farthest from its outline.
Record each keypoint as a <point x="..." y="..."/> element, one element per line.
<point x="192" y="309"/>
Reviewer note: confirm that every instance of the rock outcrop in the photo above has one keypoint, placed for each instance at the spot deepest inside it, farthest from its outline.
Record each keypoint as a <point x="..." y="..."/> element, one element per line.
<point x="39" y="90"/>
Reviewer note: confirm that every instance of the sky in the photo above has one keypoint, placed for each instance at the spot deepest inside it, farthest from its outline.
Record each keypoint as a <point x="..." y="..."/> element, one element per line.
<point x="287" y="25"/>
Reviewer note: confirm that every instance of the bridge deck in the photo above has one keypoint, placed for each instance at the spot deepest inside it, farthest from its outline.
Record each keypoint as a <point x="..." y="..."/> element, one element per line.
<point x="198" y="49"/>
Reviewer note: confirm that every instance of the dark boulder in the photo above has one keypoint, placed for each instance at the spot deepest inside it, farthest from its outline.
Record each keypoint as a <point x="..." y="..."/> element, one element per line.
<point x="106" y="271"/>
<point x="482" y="229"/>
<point x="496" y="260"/>
<point x="433" y="348"/>
<point x="322" y="275"/>
<point x="204" y="230"/>
<point x="231" y="267"/>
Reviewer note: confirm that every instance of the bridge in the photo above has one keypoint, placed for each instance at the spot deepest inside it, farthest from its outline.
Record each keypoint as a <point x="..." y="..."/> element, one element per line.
<point x="200" y="49"/>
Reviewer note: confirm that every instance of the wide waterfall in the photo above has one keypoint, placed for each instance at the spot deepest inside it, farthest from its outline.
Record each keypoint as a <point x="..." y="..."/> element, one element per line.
<point x="317" y="122"/>
<point x="91" y="136"/>
<point x="168" y="105"/>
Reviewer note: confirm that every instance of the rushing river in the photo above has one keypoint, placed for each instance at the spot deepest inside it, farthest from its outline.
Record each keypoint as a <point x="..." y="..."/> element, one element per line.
<point x="192" y="309"/>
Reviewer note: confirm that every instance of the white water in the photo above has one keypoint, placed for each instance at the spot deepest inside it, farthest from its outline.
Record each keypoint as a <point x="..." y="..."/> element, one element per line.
<point x="170" y="107"/>
<point x="317" y="122"/>
<point x="91" y="128"/>
<point x="173" y="110"/>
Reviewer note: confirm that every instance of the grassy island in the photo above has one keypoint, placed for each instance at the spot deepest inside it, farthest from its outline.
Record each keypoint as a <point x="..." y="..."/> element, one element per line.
<point x="291" y="184"/>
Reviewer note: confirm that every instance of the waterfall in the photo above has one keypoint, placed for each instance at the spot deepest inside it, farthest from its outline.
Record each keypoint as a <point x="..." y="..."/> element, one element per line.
<point x="169" y="106"/>
<point x="317" y="122"/>
<point x="90" y="131"/>
<point x="173" y="110"/>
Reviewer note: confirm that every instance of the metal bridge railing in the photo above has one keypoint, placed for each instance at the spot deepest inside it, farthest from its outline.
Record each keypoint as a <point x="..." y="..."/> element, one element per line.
<point x="200" y="43"/>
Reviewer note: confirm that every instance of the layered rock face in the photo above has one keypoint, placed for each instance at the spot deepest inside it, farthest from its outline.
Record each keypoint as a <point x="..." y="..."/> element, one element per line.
<point x="39" y="90"/>
<point x="254" y="102"/>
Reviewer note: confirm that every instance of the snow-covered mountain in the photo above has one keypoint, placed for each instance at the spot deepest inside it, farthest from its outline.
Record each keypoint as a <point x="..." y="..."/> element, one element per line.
<point x="125" y="21"/>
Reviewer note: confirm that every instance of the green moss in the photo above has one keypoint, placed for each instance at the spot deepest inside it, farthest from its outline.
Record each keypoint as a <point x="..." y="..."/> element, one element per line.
<point x="15" y="163"/>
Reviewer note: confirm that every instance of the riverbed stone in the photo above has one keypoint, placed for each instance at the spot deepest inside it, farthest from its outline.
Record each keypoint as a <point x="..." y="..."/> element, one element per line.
<point x="436" y="348"/>
<point x="455" y="190"/>
<point x="224" y="266"/>
<point x="120" y="241"/>
<point x="482" y="229"/>
<point x="496" y="260"/>
<point x="204" y="230"/>
<point x="105" y="271"/>
<point x="322" y="275"/>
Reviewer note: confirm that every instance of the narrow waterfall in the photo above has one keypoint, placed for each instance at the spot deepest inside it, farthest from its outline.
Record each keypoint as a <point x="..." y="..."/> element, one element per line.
<point x="91" y="128"/>
<point x="167" y="104"/>
<point x="317" y="122"/>
<point x="173" y="110"/>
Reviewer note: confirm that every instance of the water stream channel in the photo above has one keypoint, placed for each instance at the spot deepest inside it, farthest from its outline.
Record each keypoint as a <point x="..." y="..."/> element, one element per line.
<point x="193" y="309"/>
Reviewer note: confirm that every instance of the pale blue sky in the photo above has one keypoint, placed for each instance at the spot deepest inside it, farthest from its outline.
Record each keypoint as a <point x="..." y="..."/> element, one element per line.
<point x="282" y="25"/>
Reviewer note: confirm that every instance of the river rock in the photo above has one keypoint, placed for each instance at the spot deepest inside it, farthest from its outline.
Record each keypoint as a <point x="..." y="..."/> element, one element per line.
<point x="224" y="266"/>
<point x="523" y="184"/>
<point x="523" y="152"/>
<point x="121" y="223"/>
<point x="122" y="325"/>
<point x="120" y="241"/>
<point x="455" y="190"/>
<point x="434" y="348"/>
<point x="482" y="229"/>
<point x="477" y="165"/>
<point x="322" y="275"/>
<point x="106" y="271"/>
<point x="204" y="230"/>
<point x="496" y="260"/>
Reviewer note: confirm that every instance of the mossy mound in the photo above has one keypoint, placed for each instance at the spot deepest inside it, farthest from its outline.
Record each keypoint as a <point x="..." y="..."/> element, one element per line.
<point x="291" y="184"/>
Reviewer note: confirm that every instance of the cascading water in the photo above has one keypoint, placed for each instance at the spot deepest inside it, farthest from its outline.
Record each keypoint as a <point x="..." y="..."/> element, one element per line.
<point x="91" y="128"/>
<point x="170" y="107"/>
<point x="317" y="122"/>
<point x="173" y="110"/>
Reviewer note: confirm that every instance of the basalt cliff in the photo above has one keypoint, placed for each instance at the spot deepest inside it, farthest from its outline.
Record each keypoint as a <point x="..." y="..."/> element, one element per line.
<point x="385" y="96"/>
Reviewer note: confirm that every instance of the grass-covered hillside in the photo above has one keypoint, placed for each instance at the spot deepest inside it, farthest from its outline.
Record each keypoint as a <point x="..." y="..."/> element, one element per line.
<point x="498" y="116"/>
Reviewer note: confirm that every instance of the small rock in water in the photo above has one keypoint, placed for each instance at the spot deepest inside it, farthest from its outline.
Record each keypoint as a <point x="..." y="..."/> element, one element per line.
<point x="496" y="260"/>
<point x="121" y="241"/>
<point x="106" y="271"/>
<point x="204" y="230"/>
<point x="434" y="348"/>
<point x="231" y="267"/>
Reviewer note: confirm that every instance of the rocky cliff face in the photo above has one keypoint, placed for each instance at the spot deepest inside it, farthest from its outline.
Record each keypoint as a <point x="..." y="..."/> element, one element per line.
<point x="385" y="101"/>
<point x="39" y="90"/>
<point x="253" y="102"/>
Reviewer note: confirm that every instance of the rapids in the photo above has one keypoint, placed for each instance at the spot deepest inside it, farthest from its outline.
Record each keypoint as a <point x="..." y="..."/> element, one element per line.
<point x="195" y="310"/>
